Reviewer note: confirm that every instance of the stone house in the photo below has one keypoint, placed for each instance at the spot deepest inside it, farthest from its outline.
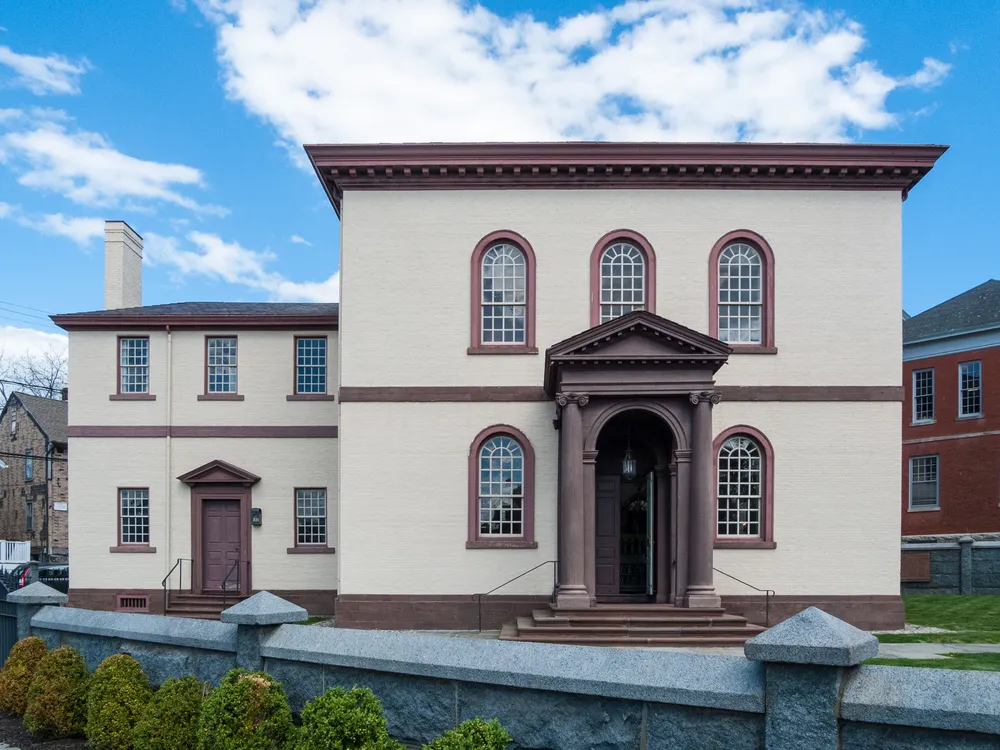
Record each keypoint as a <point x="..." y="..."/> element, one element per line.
<point x="34" y="486"/>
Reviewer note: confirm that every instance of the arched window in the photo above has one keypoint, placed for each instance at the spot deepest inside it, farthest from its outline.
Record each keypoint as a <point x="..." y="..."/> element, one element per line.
<point x="741" y="285"/>
<point x="501" y="489"/>
<point x="503" y="295"/>
<point x="744" y="468"/>
<point x="623" y="273"/>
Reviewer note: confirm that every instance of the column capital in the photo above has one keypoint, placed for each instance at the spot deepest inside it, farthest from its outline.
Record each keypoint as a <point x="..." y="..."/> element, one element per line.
<point x="682" y="456"/>
<point x="590" y="457"/>
<point x="579" y="399"/>
<point x="712" y="397"/>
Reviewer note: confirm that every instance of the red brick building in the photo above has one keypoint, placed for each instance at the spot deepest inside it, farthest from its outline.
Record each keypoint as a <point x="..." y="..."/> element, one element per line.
<point x="951" y="416"/>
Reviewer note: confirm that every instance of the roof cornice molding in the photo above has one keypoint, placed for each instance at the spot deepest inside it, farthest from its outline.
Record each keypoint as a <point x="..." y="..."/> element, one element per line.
<point x="590" y="165"/>
<point x="105" y="321"/>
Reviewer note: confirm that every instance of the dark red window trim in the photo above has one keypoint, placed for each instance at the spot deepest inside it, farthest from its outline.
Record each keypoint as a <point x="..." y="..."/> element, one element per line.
<point x="766" y="345"/>
<point x="120" y="547"/>
<point x="118" y="395"/>
<point x="766" y="539"/>
<point x="649" y="255"/>
<point x="222" y="395"/>
<point x="476" y="345"/>
<point x="527" y="540"/>
<point x="312" y="548"/>
<point x="311" y="396"/>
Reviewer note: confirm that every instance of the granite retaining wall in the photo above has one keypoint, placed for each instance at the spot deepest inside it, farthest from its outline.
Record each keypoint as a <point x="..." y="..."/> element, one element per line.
<point x="950" y="565"/>
<point x="799" y="686"/>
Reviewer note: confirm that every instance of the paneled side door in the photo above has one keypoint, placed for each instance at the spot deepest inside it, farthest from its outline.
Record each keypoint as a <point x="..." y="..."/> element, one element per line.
<point x="221" y="542"/>
<point x="607" y="528"/>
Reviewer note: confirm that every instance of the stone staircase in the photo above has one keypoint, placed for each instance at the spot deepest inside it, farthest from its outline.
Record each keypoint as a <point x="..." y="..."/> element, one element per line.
<point x="632" y="625"/>
<point x="200" y="606"/>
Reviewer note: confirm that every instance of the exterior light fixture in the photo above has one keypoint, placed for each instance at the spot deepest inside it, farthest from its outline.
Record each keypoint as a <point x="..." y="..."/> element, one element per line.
<point x="629" y="466"/>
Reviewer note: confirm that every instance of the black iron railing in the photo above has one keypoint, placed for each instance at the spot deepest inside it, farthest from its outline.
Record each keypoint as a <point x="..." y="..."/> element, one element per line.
<point x="768" y="593"/>
<point x="179" y="564"/>
<point x="555" y="571"/>
<point x="236" y="567"/>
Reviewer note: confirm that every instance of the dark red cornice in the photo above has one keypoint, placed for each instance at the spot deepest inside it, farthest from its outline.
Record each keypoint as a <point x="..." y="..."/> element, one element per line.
<point x="766" y="166"/>
<point x="101" y="321"/>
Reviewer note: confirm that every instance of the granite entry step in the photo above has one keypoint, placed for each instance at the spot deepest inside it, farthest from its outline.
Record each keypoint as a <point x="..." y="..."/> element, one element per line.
<point x="200" y="606"/>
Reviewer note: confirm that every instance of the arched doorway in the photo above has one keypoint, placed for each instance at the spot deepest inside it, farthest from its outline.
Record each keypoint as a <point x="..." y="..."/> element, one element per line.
<point x="632" y="509"/>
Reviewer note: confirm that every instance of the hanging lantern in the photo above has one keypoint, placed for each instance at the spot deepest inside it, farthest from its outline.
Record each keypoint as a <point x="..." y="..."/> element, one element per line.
<point x="629" y="466"/>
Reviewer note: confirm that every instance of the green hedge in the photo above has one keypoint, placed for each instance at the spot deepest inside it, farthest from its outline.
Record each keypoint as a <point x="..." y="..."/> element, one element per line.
<point x="57" y="698"/>
<point x="474" y="734"/>
<point x="119" y="693"/>
<point x="345" y="720"/>
<point x="18" y="672"/>
<point x="249" y="711"/>
<point x="170" y="721"/>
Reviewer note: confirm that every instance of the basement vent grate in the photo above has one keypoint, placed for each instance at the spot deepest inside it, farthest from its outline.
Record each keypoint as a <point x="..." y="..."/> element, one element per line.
<point x="132" y="603"/>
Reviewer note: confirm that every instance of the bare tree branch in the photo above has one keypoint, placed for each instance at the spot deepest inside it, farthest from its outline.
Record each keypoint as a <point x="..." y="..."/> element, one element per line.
<point x="42" y="374"/>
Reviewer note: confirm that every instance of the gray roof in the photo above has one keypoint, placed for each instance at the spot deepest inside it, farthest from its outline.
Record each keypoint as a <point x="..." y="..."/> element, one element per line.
<point x="976" y="309"/>
<point x="51" y="415"/>
<point x="222" y="308"/>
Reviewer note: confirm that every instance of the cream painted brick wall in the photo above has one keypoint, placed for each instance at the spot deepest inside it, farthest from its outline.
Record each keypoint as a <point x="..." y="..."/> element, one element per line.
<point x="836" y="499"/>
<point x="265" y="374"/>
<point x="404" y="482"/>
<point x="837" y="284"/>
<point x="284" y="464"/>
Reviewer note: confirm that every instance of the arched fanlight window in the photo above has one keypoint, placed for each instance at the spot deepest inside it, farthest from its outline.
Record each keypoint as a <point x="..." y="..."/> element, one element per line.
<point x="504" y="300"/>
<point x="623" y="281"/>
<point x="741" y="296"/>
<point x="501" y="487"/>
<point x="740" y="488"/>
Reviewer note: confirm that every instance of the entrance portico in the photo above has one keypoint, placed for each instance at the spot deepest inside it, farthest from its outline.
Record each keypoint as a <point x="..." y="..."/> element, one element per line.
<point x="639" y="364"/>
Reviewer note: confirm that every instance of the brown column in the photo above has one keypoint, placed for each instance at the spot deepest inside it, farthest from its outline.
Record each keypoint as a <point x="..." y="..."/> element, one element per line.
<point x="700" y="590"/>
<point x="683" y="503"/>
<point x="572" y="591"/>
<point x="662" y="542"/>
<point x="589" y="532"/>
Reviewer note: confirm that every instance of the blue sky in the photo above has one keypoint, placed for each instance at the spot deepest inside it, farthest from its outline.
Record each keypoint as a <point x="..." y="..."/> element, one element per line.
<point x="185" y="118"/>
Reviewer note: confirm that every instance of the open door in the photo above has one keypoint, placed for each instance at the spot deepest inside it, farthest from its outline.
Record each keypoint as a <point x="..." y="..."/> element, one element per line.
<point x="650" y="535"/>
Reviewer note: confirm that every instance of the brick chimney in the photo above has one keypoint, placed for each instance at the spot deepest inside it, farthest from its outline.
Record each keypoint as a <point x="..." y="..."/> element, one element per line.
<point x="122" y="266"/>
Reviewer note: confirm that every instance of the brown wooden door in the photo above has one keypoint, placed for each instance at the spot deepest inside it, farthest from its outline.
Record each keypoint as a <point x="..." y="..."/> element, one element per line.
<point x="607" y="526"/>
<point x="220" y="542"/>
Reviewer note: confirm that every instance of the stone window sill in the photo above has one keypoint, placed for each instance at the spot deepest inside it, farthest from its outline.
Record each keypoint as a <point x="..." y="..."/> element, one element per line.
<point x="140" y="548"/>
<point x="131" y="397"/>
<point x="933" y="509"/>
<point x="501" y="544"/>
<point x="753" y="349"/>
<point x="923" y="423"/>
<point x="969" y="417"/>
<point x="503" y="349"/>
<point x="317" y="550"/>
<point x="310" y="397"/>
<point x="744" y="544"/>
<point x="221" y="397"/>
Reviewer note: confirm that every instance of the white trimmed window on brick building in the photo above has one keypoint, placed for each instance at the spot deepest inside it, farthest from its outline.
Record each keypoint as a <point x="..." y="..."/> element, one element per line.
<point x="925" y="486"/>
<point x="923" y="395"/>
<point x="970" y="392"/>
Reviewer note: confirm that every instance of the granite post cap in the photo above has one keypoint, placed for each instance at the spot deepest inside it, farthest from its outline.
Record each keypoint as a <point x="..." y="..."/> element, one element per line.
<point x="813" y="637"/>
<point x="264" y="608"/>
<point x="37" y="593"/>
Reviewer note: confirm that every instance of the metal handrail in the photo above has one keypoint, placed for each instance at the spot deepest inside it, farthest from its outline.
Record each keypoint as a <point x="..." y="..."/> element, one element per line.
<point x="479" y="597"/>
<point x="180" y="562"/>
<point x="768" y="593"/>
<point x="237" y="567"/>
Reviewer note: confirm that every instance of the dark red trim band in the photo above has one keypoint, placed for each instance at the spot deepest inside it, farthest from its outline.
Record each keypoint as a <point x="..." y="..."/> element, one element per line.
<point x="210" y="431"/>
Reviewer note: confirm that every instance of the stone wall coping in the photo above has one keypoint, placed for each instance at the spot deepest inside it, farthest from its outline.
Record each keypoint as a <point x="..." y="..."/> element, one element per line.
<point x="988" y="545"/>
<point x="933" y="698"/>
<point x="37" y="593"/>
<point x="813" y="637"/>
<point x="726" y="682"/>
<point x="172" y="631"/>
<point x="933" y="546"/>
<point x="264" y="608"/>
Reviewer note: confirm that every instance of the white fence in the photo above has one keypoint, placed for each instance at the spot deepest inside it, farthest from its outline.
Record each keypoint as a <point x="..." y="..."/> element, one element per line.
<point x="13" y="554"/>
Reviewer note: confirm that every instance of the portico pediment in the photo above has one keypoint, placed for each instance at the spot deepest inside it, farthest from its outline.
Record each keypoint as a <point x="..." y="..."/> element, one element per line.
<point x="219" y="472"/>
<point x="638" y="340"/>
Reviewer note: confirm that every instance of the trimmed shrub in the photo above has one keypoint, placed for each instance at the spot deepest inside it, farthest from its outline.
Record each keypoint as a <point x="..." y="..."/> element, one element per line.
<point x="249" y="711"/>
<point x="170" y="721"/>
<point x="345" y="720"/>
<point x="474" y="734"/>
<point x="57" y="698"/>
<point x="15" y="679"/>
<point x="119" y="693"/>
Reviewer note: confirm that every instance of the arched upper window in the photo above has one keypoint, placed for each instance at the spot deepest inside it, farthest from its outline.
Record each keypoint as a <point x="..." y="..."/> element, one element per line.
<point x="623" y="276"/>
<point x="744" y="488"/>
<point x="501" y="489"/>
<point x="503" y="295"/>
<point x="741" y="285"/>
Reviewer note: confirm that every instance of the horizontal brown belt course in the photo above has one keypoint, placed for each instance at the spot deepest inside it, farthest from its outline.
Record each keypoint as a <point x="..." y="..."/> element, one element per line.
<point x="534" y="393"/>
<point x="208" y="431"/>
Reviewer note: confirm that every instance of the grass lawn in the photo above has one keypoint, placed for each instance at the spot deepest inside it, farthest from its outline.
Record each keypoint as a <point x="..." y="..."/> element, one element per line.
<point x="978" y="617"/>
<point x="979" y="662"/>
<point x="313" y="619"/>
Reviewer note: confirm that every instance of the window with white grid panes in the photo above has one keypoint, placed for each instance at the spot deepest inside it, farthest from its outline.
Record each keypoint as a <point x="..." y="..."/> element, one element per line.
<point x="310" y="365"/>
<point x="924" y="484"/>
<point x="923" y="395"/>
<point x="504" y="295"/>
<point x="133" y="365"/>
<point x="221" y="365"/>
<point x="501" y="487"/>
<point x="134" y="504"/>
<point x="623" y="281"/>
<point x="740" y="295"/>
<point x="741" y="481"/>
<point x="310" y="516"/>
<point x="970" y="394"/>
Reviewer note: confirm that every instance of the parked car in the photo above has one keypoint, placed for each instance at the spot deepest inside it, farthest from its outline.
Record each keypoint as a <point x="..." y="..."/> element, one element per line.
<point x="55" y="575"/>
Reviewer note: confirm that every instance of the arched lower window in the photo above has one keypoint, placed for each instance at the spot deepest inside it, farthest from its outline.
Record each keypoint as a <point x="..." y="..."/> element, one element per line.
<point x="503" y="295"/>
<point x="622" y="276"/>
<point x="501" y="489"/>
<point x="744" y="488"/>
<point x="741" y="284"/>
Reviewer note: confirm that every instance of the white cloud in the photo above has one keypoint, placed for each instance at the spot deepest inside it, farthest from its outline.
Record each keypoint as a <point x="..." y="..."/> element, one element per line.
<point x="52" y="74"/>
<point x="85" y="167"/>
<point x="300" y="240"/>
<point x="81" y="229"/>
<point x="5" y="210"/>
<point x="212" y="257"/>
<point x="447" y="70"/>
<point x="16" y="341"/>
